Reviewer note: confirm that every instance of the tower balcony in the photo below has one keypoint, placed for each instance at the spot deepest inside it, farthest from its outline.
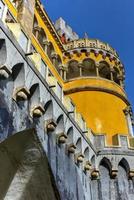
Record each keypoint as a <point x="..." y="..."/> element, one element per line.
<point x="93" y="58"/>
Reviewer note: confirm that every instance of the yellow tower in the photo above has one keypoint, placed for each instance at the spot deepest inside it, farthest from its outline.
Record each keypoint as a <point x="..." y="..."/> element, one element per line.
<point x="95" y="82"/>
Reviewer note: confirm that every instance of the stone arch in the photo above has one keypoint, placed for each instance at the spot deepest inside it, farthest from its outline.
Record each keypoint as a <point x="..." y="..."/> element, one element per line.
<point x="3" y="51"/>
<point x="18" y="74"/>
<point x="105" y="162"/>
<point x="48" y="110"/>
<point x="86" y="153"/>
<point x="88" y="67"/>
<point x="116" y="74"/>
<point x="79" y="145"/>
<point x="124" y="163"/>
<point x="42" y="37"/>
<point x="70" y="135"/>
<point x="35" y="93"/>
<point x="60" y="124"/>
<point x="50" y="51"/>
<point x="104" y="70"/>
<point x="36" y="106"/>
<point x="93" y="161"/>
<point x="73" y="69"/>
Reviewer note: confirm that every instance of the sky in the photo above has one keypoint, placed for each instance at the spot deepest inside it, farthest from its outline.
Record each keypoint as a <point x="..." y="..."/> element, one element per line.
<point x="111" y="21"/>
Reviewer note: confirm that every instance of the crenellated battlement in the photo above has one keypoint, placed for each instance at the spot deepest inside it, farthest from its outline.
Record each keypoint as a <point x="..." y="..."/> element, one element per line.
<point x="119" y="141"/>
<point x="63" y="28"/>
<point x="91" y="44"/>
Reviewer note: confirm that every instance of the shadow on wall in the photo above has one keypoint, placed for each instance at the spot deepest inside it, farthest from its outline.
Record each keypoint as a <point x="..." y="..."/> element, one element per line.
<point x="25" y="173"/>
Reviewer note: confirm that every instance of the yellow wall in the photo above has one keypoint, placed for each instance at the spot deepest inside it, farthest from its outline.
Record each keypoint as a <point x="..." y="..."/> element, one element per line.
<point x="103" y="112"/>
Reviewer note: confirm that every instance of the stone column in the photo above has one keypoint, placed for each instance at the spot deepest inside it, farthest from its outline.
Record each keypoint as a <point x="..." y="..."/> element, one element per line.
<point x="111" y="74"/>
<point x="65" y="73"/>
<point x="61" y="68"/>
<point x="37" y="31"/>
<point x="54" y="58"/>
<point x="97" y="69"/>
<point x="129" y="121"/>
<point x="120" y="77"/>
<point x="45" y="45"/>
<point x="80" y="68"/>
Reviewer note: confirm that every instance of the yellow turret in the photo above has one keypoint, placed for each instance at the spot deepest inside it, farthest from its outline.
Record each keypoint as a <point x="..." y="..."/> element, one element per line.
<point x="95" y="83"/>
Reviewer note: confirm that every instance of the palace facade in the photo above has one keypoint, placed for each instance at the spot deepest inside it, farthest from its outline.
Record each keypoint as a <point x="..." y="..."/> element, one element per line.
<point x="66" y="125"/>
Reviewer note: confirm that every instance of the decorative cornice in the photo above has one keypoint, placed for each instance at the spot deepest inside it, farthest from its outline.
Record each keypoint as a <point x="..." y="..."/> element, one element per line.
<point x="40" y="9"/>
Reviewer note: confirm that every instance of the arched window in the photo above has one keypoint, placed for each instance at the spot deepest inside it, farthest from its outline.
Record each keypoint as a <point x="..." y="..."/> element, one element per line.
<point x="89" y="68"/>
<point x="73" y="70"/>
<point x="104" y="70"/>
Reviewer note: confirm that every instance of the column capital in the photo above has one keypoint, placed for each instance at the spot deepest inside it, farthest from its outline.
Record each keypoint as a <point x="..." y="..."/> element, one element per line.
<point x="97" y="64"/>
<point x="120" y="77"/>
<point x="80" y="65"/>
<point x="112" y="69"/>
<point x="54" y="55"/>
<point x="46" y="42"/>
<point x="37" y="28"/>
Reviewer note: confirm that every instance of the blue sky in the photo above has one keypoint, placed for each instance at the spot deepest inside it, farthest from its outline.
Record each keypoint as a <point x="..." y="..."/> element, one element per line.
<point x="111" y="21"/>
